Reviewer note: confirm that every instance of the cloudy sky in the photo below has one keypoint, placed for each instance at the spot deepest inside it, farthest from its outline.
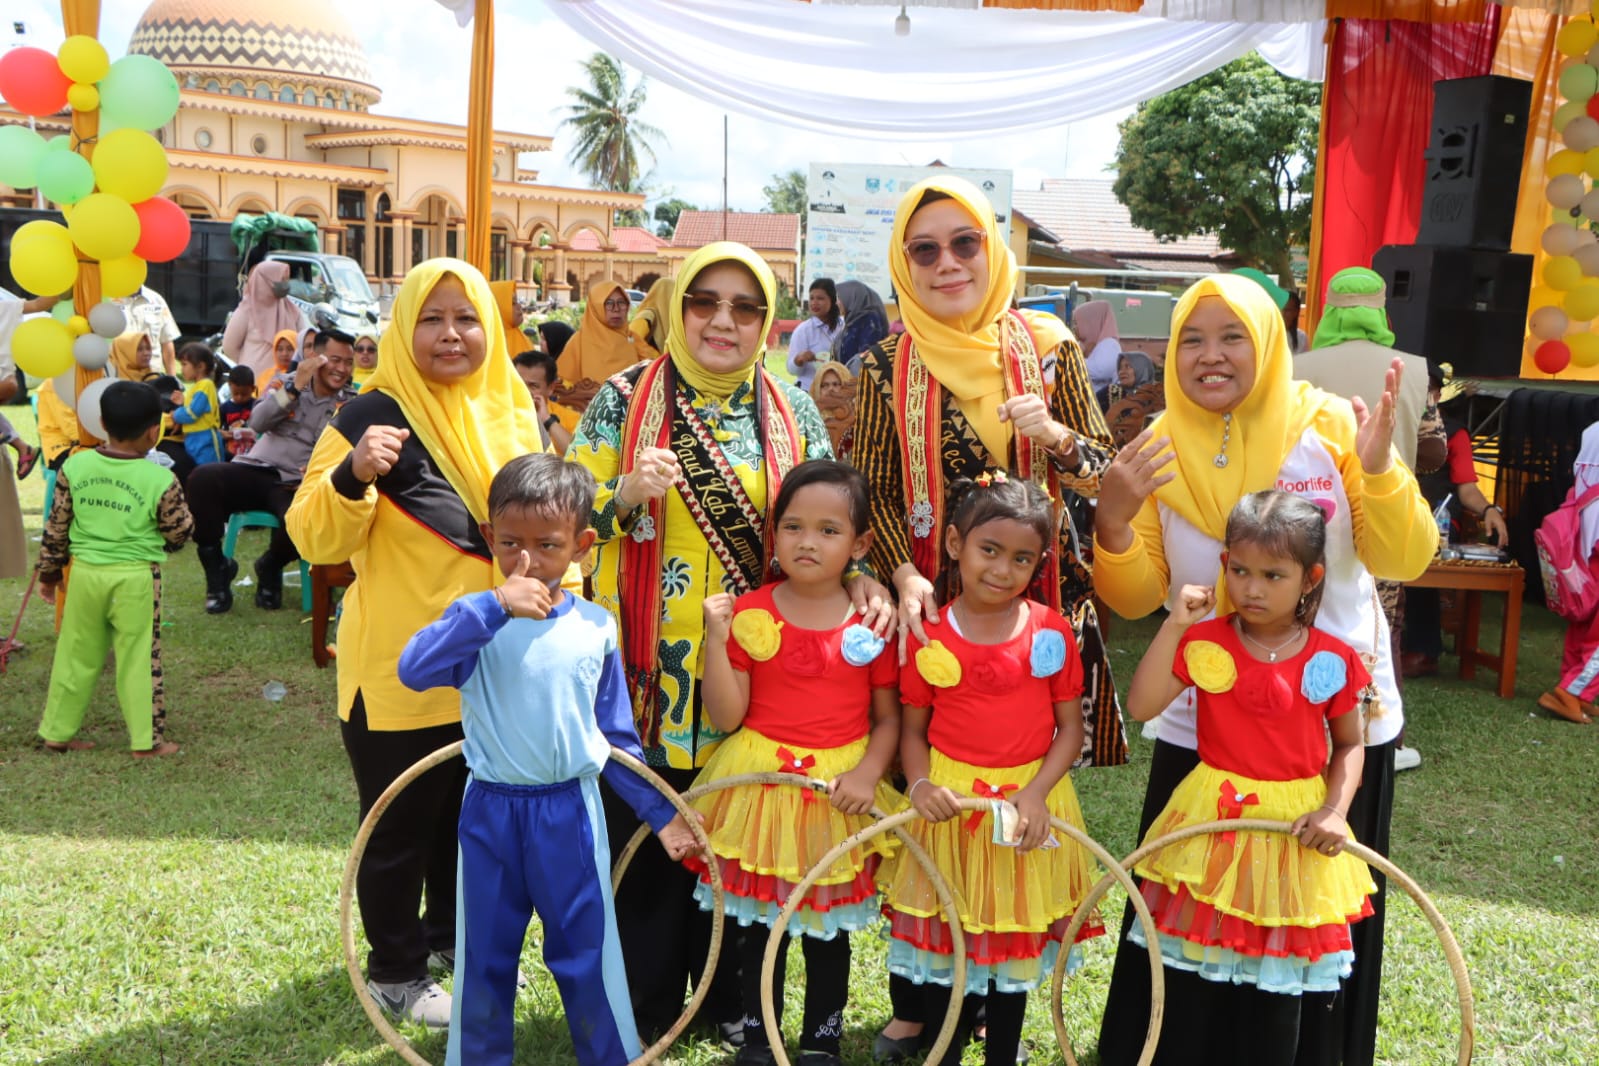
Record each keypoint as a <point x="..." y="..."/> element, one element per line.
<point x="421" y="61"/>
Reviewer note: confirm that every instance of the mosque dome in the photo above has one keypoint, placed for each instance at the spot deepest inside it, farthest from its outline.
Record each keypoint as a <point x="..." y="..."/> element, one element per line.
<point x="293" y="51"/>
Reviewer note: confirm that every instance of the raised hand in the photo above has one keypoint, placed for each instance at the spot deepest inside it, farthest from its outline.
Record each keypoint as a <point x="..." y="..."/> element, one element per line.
<point x="718" y="615"/>
<point x="649" y="479"/>
<point x="307" y="370"/>
<point x="526" y="597"/>
<point x="377" y="451"/>
<point x="1193" y="603"/>
<point x="1030" y="415"/>
<point x="1136" y="472"/>
<point x="1374" y="429"/>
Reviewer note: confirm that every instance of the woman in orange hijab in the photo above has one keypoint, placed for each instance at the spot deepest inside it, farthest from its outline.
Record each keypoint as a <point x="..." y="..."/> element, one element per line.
<point x="602" y="345"/>
<point x="516" y="341"/>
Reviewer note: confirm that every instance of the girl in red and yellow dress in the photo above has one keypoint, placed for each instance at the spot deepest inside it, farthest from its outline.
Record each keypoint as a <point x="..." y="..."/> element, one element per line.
<point x="804" y="689"/>
<point x="992" y="708"/>
<point x="1257" y="914"/>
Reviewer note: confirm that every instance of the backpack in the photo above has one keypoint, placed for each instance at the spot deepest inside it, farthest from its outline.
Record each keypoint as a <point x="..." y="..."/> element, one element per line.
<point x="1570" y="586"/>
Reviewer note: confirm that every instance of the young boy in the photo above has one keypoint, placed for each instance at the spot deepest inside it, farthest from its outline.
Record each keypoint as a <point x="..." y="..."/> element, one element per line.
<point x="543" y="699"/>
<point x="114" y="515"/>
<point x="236" y="411"/>
<point x="538" y="372"/>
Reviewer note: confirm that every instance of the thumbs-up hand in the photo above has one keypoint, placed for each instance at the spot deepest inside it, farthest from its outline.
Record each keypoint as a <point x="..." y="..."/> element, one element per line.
<point x="526" y="597"/>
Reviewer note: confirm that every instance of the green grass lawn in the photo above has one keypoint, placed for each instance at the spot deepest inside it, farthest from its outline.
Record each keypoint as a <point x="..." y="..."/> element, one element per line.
<point x="184" y="911"/>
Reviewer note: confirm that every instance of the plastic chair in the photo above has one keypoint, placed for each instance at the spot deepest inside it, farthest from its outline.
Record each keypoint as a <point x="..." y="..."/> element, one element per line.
<point x="241" y="520"/>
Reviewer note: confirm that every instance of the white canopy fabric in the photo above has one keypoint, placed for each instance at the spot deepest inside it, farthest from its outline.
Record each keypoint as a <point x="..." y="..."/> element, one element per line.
<point x="836" y="67"/>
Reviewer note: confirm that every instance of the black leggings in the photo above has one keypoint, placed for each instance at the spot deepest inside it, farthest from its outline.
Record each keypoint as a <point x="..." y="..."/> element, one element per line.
<point x="826" y="988"/>
<point x="1003" y="1012"/>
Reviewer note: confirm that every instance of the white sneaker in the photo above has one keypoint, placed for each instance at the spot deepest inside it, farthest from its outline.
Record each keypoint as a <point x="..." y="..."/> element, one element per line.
<point x="421" y="1000"/>
<point x="1406" y="759"/>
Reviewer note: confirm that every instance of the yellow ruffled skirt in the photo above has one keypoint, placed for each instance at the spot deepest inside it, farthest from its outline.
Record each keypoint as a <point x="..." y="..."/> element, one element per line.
<point x="1014" y="906"/>
<point x="768" y="837"/>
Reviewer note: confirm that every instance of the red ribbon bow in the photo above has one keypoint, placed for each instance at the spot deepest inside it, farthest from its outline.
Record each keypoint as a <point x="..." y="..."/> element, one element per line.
<point x="985" y="790"/>
<point x="1231" y="803"/>
<point x="789" y="763"/>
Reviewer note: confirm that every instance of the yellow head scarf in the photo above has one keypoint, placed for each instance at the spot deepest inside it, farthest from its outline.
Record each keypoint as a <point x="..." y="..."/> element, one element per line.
<point x="596" y="351"/>
<point x="1265" y="426"/>
<point x="649" y="323"/>
<point x="471" y="428"/>
<point x="125" y="357"/>
<point x="516" y="341"/>
<point x="964" y="356"/>
<point x="705" y="382"/>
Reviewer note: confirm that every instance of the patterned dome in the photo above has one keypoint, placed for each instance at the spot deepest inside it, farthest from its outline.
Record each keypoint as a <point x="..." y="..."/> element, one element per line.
<point x="286" y="43"/>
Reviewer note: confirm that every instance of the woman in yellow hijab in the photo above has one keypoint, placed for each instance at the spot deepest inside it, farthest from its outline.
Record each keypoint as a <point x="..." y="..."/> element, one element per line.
<point x="510" y="309"/>
<point x="602" y="345"/>
<point x="1236" y="422"/>
<point x="398" y="486"/>
<point x="961" y="392"/>
<point x="653" y="318"/>
<point x="130" y="356"/>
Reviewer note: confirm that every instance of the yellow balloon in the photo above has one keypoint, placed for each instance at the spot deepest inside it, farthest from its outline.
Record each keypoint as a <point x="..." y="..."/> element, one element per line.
<point x="122" y="276"/>
<point x="105" y="226"/>
<point x="1560" y="272"/>
<point x="1576" y="37"/>
<point x="40" y="227"/>
<point x="1566" y="161"/>
<point x="1542" y="296"/>
<point x="1584" y="349"/>
<point x="130" y="164"/>
<point x="83" y="59"/>
<point x="42" y="347"/>
<point x="77" y="325"/>
<point x="44" y="265"/>
<point x="1582" y="302"/>
<point x="83" y="97"/>
<point x="1568" y="111"/>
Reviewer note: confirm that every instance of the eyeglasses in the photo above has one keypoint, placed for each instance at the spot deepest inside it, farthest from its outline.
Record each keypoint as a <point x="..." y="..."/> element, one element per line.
<point x="704" y="305"/>
<point x="366" y="349"/>
<point x="924" y="251"/>
<point x="617" y="305"/>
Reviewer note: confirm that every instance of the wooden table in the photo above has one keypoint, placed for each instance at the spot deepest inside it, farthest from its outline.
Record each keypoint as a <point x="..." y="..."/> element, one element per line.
<point x="1472" y="580"/>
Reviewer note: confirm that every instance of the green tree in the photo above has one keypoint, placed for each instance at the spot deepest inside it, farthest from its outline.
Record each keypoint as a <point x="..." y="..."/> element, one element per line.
<point x="666" y="213"/>
<point x="612" y="141"/>
<point x="1234" y="154"/>
<point x="786" y="196"/>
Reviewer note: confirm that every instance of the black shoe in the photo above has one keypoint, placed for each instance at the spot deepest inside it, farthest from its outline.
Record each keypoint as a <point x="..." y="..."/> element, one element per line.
<point x="219" y="574"/>
<point x="887" y="1049"/>
<point x="755" y="1056"/>
<point x="818" y="1058"/>
<point x="269" y="585"/>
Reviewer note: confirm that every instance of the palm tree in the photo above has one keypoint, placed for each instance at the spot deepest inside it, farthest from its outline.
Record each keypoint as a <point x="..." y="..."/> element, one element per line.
<point x="611" y="138"/>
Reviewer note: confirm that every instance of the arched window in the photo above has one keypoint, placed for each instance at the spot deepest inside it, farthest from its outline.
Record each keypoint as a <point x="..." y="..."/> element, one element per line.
<point x="213" y="86"/>
<point x="309" y="99"/>
<point x="263" y="91"/>
<point x="330" y="100"/>
<point x="286" y="95"/>
<point x="237" y="89"/>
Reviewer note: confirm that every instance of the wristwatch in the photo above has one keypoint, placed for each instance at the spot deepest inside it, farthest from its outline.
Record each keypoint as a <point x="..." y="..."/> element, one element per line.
<point x="291" y="388"/>
<point x="551" y="422"/>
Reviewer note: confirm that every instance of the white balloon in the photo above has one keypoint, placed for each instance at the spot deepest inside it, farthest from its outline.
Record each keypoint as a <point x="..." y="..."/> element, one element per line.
<point x="1548" y="323"/>
<point x="108" y="320"/>
<point x="1585" y="236"/>
<point x="1566" y="191"/>
<point x="91" y="351"/>
<point x="66" y="386"/>
<point x="1559" y="239"/>
<point x="89" y="406"/>
<point x="1587" y="257"/>
<point x="1581" y="134"/>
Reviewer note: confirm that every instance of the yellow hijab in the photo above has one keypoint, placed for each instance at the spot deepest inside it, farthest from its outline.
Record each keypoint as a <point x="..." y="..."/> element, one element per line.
<point x="706" y="383"/>
<point x="516" y="341"/>
<point x="472" y="428"/>
<point x="125" y="357"/>
<point x="964" y="356"/>
<point x="1265" y="426"/>
<point x="596" y="351"/>
<point x="649" y="323"/>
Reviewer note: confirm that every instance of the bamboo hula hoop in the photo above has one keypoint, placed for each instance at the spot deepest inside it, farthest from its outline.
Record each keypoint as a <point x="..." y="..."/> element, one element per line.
<point x="352" y="963"/>
<point x="1446" y="937"/>
<point x="884" y="823"/>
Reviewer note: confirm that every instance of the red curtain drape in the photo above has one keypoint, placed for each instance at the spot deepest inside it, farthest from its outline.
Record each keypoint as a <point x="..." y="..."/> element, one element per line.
<point x="1377" y="125"/>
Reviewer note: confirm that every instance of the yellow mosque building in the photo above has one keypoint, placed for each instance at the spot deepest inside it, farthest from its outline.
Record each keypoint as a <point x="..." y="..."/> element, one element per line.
<point x="276" y="115"/>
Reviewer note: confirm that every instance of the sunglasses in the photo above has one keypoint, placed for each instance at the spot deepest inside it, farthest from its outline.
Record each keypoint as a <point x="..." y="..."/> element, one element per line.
<point x="367" y="349"/>
<point x="704" y="305"/>
<point x="924" y="251"/>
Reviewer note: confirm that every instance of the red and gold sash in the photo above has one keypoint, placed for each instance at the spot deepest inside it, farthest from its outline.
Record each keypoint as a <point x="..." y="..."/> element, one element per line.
<point x="919" y="403"/>
<point x="660" y="416"/>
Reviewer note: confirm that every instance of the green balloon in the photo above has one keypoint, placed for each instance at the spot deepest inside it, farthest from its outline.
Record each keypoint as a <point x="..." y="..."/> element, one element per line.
<point x="20" y="152"/>
<point x="65" y="177"/>
<point x="140" y="93"/>
<point x="1568" y="111"/>
<point x="62" y="143"/>
<point x="62" y="311"/>
<point x="1579" y="82"/>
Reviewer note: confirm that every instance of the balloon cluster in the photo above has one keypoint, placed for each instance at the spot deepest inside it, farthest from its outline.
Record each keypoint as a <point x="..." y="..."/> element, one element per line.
<point x="110" y="206"/>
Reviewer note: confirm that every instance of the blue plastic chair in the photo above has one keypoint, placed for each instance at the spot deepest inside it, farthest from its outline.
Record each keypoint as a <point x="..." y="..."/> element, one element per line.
<point x="241" y="520"/>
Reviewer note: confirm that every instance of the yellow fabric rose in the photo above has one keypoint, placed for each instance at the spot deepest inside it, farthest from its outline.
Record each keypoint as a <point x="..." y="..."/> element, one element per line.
<point x="1211" y="666"/>
<point x="938" y="665"/>
<point x="758" y="633"/>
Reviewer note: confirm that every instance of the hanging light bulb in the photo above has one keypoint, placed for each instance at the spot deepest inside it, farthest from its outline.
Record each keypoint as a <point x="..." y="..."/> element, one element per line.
<point x="902" y="24"/>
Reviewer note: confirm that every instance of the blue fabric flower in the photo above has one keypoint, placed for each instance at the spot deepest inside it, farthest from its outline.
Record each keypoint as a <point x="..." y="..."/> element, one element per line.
<point x="1325" y="676"/>
<point x="1049" y="653"/>
<point x="861" y="646"/>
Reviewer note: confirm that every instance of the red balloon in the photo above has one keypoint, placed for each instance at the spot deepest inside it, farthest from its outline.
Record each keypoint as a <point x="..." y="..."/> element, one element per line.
<point x="1552" y="356"/>
<point x="31" y="81"/>
<point x="163" y="230"/>
<point x="1592" y="106"/>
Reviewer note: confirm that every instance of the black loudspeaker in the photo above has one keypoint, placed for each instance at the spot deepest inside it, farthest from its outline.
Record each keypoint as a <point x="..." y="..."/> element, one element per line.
<point x="1458" y="305"/>
<point x="1479" y="132"/>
